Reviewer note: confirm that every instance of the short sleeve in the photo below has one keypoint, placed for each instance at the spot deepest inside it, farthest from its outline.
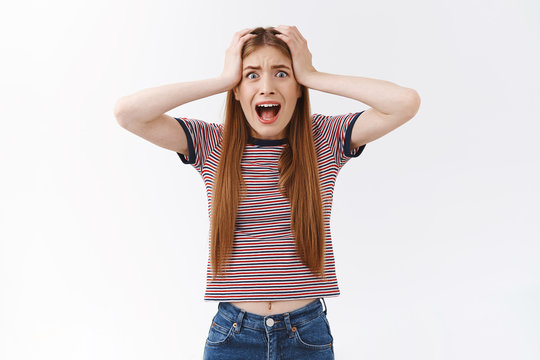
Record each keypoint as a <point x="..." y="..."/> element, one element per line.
<point x="336" y="132"/>
<point x="202" y="138"/>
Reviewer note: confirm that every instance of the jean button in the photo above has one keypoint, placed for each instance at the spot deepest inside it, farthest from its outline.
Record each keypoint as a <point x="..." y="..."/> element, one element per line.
<point x="270" y="322"/>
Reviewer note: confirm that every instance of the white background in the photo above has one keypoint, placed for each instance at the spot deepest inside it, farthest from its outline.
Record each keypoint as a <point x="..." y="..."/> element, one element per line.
<point x="103" y="235"/>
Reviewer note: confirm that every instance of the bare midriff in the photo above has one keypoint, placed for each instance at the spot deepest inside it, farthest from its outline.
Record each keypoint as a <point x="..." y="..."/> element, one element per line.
<point x="266" y="308"/>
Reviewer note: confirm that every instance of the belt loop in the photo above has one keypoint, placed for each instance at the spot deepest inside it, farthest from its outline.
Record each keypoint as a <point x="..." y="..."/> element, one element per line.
<point x="288" y="325"/>
<point x="239" y="321"/>
<point x="325" y="307"/>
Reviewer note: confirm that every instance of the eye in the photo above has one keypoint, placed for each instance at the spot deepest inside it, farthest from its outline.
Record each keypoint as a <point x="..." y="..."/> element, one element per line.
<point x="283" y="73"/>
<point x="250" y="74"/>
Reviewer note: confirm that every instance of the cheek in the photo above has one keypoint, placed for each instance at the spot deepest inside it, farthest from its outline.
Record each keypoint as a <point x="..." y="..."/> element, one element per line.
<point x="291" y="106"/>
<point x="247" y="107"/>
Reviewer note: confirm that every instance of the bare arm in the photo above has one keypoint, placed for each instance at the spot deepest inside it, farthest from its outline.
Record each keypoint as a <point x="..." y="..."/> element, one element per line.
<point x="146" y="105"/>
<point x="391" y="105"/>
<point x="143" y="113"/>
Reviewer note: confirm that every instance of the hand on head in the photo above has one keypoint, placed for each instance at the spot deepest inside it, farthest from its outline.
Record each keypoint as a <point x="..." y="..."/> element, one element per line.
<point x="301" y="56"/>
<point x="232" y="70"/>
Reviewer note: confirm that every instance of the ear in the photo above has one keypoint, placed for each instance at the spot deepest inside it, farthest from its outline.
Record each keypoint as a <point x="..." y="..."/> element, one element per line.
<point x="235" y="90"/>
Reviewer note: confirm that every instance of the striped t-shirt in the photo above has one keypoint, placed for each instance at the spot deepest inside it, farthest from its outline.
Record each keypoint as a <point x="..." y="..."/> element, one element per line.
<point x="264" y="265"/>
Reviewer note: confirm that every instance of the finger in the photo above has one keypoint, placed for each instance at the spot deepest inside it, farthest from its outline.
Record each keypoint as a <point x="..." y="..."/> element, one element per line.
<point x="284" y="29"/>
<point x="300" y="35"/>
<point x="243" y="32"/>
<point x="296" y="33"/>
<point x="291" y="37"/>
<point x="284" y="38"/>
<point x="241" y="37"/>
<point x="247" y="37"/>
<point x="283" y="32"/>
<point x="291" y="31"/>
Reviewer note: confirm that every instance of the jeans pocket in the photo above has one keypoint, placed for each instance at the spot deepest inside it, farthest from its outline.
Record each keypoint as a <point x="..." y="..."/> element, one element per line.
<point x="314" y="334"/>
<point x="220" y="331"/>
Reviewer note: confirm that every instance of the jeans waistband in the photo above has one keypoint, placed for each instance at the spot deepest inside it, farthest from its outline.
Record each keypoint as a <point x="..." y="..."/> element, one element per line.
<point x="255" y="321"/>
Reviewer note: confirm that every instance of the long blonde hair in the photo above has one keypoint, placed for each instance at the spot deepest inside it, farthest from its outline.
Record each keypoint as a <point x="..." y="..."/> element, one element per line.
<point x="298" y="179"/>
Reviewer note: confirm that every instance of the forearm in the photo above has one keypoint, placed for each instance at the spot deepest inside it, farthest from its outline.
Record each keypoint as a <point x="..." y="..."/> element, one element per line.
<point x="381" y="95"/>
<point x="148" y="104"/>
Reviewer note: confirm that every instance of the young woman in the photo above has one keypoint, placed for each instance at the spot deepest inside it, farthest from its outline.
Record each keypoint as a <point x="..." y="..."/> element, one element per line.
<point x="269" y="172"/>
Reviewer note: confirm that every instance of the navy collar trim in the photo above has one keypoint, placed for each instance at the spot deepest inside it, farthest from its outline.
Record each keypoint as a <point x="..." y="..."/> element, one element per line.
<point x="264" y="142"/>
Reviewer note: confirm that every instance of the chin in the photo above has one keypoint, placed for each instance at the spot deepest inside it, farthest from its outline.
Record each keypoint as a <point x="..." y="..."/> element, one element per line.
<point x="272" y="131"/>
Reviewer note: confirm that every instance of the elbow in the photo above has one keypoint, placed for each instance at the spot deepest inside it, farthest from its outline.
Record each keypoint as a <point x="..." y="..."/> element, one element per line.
<point x="119" y="112"/>
<point x="413" y="103"/>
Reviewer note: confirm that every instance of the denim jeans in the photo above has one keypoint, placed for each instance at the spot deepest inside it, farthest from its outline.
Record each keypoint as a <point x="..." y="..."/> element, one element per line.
<point x="300" y="334"/>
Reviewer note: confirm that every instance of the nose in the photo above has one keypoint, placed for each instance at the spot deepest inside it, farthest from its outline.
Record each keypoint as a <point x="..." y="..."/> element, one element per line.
<point x="267" y="85"/>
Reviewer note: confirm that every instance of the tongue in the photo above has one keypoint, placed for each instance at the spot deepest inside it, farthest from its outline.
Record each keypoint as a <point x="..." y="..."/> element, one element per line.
<point x="267" y="113"/>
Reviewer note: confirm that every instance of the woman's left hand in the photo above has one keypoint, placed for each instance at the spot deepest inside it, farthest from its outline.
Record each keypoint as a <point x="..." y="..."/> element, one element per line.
<point x="301" y="57"/>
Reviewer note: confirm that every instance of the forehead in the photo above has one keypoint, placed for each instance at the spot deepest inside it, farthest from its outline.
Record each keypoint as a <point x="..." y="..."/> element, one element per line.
<point x="266" y="56"/>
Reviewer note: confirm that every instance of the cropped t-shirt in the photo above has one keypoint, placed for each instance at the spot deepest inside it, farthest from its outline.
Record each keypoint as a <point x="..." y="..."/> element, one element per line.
<point x="264" y="265"/>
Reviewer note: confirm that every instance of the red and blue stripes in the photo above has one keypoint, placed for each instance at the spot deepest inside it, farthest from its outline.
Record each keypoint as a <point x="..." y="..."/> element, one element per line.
<point x="264" y="264"/>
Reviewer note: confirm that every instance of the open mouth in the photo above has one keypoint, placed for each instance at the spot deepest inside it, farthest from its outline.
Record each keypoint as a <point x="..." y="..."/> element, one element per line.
<point x="268" y="112"/>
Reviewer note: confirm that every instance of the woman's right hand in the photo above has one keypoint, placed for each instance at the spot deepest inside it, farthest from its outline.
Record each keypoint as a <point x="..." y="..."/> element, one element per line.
<point x="232" y="70"/>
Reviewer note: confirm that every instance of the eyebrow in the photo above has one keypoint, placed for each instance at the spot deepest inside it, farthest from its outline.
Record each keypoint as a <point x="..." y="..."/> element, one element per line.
<point x="273" y="67"/>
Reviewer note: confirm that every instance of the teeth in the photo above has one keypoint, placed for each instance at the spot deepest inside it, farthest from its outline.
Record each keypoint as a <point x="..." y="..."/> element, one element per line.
<point x="268" y="105"/>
